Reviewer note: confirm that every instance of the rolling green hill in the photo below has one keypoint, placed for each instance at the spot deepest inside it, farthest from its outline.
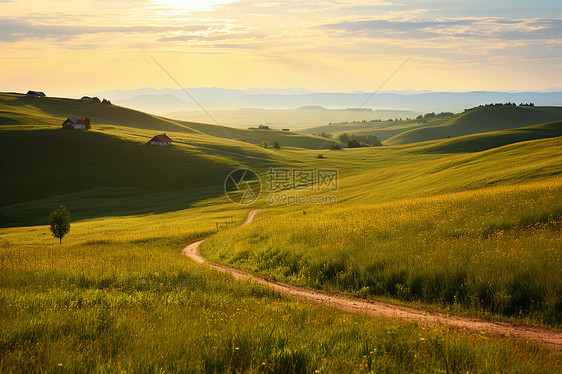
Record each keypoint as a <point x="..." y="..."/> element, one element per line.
<point x="20" y="110"/>
<point x="29" y="112"/>
<point x="98" y="174"/>
<point x="110" y="170"/>
<point x="493" y="139"/>
<point x="466" y="226"/>
<point x="475" y="233"/>
<point x="383" y="130"/>
<point x="479" y="120"/>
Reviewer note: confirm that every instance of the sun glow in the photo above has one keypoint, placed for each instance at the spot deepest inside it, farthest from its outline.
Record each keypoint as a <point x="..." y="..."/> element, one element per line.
<point x="193" y="5"/>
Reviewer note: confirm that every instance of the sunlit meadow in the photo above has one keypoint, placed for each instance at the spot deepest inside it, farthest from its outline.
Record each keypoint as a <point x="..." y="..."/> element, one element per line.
<point x="492" y="252"/>
<point x="117" y="296"/>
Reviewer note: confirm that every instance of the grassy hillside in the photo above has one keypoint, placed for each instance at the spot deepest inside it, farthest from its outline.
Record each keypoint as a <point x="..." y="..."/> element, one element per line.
<point x="285" y="139"/>
<point x="110" y="169"/>
<point x="472" y="233"/>
<point x="21" y="112"/>
<point x="492" y="252"/>
<point x="493" y="139"/>
<point x="383" y="130"/>
<point x="516" y="163"/>
<point x="97" y="174"/>
<point x="479" y="120"/>
<point x="439" y="208"/>
<point x="118" y="296"/>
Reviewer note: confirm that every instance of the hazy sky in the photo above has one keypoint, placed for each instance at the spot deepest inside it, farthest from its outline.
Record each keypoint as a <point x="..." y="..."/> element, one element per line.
<point x="71" y="47"/>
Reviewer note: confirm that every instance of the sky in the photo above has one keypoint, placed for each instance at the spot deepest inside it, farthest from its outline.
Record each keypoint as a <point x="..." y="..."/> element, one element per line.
<point x="67" y="48"/>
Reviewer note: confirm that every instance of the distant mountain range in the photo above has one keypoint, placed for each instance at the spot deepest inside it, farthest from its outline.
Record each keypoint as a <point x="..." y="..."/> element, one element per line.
<point x="173" y="100"/>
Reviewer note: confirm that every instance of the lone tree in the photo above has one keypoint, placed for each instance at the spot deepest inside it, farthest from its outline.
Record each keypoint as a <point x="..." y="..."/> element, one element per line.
<point x="276" y="145"/>
<point x="60" y="222"/>
<point x="88" y="123"/>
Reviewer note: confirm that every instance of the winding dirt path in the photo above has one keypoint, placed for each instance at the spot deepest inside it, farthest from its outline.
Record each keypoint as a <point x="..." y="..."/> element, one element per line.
<point x="544" y="337"/>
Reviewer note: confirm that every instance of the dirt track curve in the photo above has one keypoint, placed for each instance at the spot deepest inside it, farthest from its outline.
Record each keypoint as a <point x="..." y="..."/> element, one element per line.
<point x="544" y="337"/>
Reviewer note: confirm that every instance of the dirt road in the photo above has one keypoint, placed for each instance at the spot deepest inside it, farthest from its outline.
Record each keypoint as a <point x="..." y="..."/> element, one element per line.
<point x="544" y="337"/>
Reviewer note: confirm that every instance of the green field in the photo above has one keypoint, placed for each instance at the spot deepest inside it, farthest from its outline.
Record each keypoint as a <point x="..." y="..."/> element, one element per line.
<point x="494" y="139"/>
<point x="118" y="296"/>
<point x="468" y="225"/>
<point x="20" y="112"/>
<point x="383" y="130"/>
<point x="493" y="252"/>
<point x="110" y="170"/>
<point x="474" y="122"/>
<point x="479" y="120"/>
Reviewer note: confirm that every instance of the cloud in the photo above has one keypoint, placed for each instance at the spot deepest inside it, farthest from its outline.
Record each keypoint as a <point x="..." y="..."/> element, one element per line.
<point x="13" y="30"/>
<point x="223" y="36"/>
<point x="477" y="28"/>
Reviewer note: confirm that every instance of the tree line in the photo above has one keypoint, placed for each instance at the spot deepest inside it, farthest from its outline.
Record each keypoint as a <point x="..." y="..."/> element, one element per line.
<point x="432" y="115"/>
<point x="501" y="104"/>
<point x="359" y="140"/>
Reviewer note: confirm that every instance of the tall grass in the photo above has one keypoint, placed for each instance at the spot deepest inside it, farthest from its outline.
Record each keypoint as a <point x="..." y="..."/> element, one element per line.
<point x="494" y="251"/>
<point x="118" y="296"/>
<point x="130" y="302"/>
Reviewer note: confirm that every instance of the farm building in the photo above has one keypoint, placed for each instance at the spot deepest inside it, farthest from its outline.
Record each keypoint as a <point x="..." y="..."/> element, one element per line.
<point x="36" y="94"/>
<point x="161" y="139"/>
<point x="86" y="98"/>
<point x="75" y="124"/>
